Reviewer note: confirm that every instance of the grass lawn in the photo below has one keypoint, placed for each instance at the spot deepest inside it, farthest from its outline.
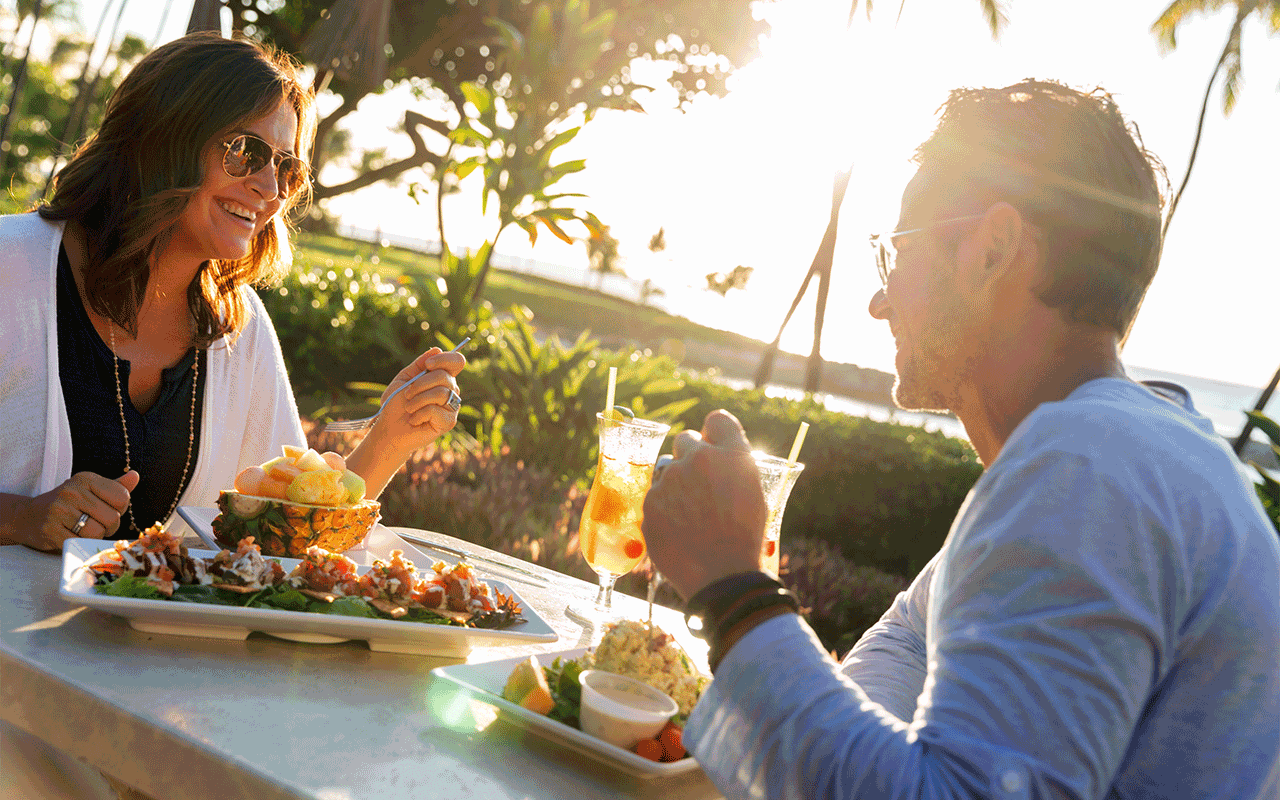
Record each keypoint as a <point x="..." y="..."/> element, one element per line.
<point x="557" y="307"/>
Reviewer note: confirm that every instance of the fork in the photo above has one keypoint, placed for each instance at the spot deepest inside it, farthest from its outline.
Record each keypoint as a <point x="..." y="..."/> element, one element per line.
<point x="361" y="424"/>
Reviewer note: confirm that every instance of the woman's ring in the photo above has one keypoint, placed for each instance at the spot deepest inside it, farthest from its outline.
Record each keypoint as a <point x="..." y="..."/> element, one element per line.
<point x="454" y="402"/>
<point x="75" y="531"/>
<point x="663" y="461"/>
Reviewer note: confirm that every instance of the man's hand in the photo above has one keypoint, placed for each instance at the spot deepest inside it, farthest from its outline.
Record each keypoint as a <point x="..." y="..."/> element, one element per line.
<point x="704" y="516"/>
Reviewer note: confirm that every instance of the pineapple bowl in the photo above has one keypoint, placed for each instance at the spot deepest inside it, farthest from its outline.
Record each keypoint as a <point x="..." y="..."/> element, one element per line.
<point x="290" y="503"/>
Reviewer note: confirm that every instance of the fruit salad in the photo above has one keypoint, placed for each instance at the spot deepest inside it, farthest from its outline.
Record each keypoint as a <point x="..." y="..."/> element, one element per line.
<point x="303" y="476"/>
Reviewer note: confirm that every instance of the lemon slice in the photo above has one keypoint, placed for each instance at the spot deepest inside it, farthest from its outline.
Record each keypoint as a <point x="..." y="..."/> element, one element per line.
<point x="620" y="413"/>
<point x="528" y="687"/>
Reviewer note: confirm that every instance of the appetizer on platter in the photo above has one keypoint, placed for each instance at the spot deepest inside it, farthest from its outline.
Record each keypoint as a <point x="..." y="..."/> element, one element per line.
<point x="158" y="566"/>
<point x="629" y="648"/>
<point x="298" y="500"/>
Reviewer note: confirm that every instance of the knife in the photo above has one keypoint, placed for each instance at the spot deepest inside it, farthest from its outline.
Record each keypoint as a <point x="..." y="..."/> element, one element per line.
<point x="524" y="574"/>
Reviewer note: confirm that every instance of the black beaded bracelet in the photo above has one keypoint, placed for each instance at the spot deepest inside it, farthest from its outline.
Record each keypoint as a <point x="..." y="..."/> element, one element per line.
<point x="717" y="598"/>
<point x="720" y="629"/>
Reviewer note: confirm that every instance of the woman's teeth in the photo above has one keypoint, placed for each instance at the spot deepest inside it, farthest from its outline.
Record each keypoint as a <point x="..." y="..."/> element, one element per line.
<point x="237" y="211"/>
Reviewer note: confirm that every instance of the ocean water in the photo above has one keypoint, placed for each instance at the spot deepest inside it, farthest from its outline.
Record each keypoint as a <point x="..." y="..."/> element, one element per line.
<point x="1223" y="403"/>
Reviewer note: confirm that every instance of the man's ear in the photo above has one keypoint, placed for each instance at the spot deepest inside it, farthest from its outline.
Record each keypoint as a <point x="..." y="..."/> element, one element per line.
<point x="1003" y="232"/>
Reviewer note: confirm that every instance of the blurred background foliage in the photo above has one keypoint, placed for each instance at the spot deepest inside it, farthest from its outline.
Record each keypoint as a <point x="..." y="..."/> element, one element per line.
<point x="874" y="502"/>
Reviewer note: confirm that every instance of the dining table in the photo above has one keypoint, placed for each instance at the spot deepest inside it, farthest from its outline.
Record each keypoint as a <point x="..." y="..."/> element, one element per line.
<point x="189" y="718"/>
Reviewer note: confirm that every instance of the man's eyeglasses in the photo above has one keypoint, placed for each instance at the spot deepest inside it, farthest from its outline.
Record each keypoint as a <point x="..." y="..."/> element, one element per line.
<point x="246" y="154"/>
<point x="886" y="253"/>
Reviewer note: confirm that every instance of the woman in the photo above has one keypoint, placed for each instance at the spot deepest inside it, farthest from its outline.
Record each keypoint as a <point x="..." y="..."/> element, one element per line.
<point x="138" y="370"/>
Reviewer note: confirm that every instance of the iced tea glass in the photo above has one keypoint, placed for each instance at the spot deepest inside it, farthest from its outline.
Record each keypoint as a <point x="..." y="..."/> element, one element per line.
<point x="777" y="477"/>
<point x="609" y="536"/>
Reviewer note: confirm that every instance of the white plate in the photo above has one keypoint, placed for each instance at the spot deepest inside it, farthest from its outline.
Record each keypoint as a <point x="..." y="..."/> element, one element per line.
<point x="234" y="622"/>
<point x="485" y="682"/>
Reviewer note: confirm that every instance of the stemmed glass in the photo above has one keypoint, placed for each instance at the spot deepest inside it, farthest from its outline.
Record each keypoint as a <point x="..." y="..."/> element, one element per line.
<point x="609" y="536"/>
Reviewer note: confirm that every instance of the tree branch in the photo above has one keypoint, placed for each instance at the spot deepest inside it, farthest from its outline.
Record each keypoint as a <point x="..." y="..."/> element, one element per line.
<point x="421" y="156"/>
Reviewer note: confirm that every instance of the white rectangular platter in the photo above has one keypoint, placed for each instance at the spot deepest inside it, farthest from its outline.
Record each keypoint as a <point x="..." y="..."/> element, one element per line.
<point x="485" y="682"/>
<point x="233" y="622"/>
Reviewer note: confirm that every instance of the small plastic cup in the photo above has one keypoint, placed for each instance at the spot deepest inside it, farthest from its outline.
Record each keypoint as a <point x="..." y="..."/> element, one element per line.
<point x="621" y="710"/>
<point x="777" y="477"/>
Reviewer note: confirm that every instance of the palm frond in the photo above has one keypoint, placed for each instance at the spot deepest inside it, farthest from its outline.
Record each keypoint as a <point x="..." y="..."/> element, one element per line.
<point x="1166" y="25"/>
<point x="1233" y="77"/>
<point x="996" y="16"/>
<point x="853" y="9"/>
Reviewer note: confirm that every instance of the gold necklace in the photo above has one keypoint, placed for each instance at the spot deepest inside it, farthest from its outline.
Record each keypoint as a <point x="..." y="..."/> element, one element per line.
<point x="191" y="426"/>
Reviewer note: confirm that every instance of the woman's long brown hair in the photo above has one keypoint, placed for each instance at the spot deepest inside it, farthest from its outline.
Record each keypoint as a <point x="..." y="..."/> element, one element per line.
<point x="128" y="184"/>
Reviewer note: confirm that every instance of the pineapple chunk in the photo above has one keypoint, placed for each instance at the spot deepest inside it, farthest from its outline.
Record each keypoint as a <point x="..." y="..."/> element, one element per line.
<point x="311" y="461"/>
<point x="320" y="487"/>
<point x="292" y="452"/>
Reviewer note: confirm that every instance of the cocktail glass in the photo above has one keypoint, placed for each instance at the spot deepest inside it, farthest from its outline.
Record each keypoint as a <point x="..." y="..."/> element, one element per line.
<point x="610" y="536"/>
<point x="777" y="477"/>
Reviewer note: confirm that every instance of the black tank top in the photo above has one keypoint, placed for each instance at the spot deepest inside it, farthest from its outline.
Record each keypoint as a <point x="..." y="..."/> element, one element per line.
<point x="157" y="439"/>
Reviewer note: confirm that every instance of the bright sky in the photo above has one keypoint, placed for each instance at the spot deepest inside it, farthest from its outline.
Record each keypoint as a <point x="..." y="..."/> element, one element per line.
<point x="747" y="179"/>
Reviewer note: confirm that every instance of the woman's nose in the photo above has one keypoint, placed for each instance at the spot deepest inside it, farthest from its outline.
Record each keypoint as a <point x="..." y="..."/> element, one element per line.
<point x="265" y="182"/>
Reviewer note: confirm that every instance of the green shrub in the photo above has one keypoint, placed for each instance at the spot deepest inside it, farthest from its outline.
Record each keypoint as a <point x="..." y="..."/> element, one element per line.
<point x="840" y="600"/>
<point x="538" y="400"/>
<point x="346" y="331"/>
<point x="338" y="327"/>
<point x="1268" y="488"/>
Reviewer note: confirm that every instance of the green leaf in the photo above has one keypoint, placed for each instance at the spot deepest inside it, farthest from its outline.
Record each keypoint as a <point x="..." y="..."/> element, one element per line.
<point x="1269" y="486"/>
<point x="346" y="607"/>
<point x="130" y="586"/>
<point x="567" y="168"/>
<point x="464" y="168"/>
<point x="1265" y="424"/>
<point x="479" y="96"/>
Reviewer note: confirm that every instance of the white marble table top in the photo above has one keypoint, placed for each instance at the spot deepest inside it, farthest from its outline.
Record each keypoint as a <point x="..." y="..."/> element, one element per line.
<point x="181" y="717"/>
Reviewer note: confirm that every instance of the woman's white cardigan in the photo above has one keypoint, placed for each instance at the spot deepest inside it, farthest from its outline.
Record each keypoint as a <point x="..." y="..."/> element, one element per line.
<point x="249" y="410"/>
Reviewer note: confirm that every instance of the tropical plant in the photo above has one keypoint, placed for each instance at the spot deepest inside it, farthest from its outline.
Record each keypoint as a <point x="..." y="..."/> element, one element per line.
<point x="993" y="10"/>
<point x="435" y="46"/>
<point x="602" y="254"/>
<point x="50" y="101"/>
<point x="538" y="399"/>
<point x="1268" y="488"/>
<point x="737" y="278"/>
<point x="1229" y="66"/>
<point x="517" y="124"/>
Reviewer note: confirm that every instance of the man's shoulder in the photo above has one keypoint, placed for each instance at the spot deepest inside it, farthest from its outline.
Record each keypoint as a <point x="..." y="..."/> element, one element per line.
<point x="1118" y="420"/>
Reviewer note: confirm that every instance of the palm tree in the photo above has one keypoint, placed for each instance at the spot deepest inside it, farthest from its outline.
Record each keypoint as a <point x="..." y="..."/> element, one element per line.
<point x="1229" y="63"/>
<point x="19" y="79"/>
<point x="993" y="10"/>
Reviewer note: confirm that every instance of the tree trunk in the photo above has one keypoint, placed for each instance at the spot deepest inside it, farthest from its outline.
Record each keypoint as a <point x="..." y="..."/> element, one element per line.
<point x="19" y="81"/>
<point x="79" y="112"/>
<point x="1204" y="110"/>
<point x="821" y="266"/>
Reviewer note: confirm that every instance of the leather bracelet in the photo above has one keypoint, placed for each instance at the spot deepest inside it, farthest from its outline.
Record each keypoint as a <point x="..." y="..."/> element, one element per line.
<point x="721" y="629"/>
<point x="717" y="598"/>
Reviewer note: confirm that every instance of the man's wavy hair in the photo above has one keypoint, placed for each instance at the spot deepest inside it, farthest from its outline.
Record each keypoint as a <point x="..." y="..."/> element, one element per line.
<point x="1078" y="171"/>
<point x="128" y="184"/>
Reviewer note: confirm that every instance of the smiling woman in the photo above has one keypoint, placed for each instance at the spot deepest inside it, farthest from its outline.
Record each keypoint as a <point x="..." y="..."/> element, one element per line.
<point x="141" y="371"/>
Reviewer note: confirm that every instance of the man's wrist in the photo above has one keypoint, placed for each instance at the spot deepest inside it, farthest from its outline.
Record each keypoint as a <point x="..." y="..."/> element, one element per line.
<point x="730" y="607"/>
<point x="725" y="642"/>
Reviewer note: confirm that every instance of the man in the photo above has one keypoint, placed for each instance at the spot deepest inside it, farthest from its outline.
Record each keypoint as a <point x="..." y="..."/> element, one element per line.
<point x="1104" y="619"/>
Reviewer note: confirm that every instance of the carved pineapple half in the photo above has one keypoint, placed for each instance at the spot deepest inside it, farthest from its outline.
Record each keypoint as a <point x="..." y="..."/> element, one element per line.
<point x="282" y="528"/>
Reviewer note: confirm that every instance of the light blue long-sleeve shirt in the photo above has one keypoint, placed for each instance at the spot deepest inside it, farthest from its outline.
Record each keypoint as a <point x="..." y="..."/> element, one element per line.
<point x="1102" y="622"/>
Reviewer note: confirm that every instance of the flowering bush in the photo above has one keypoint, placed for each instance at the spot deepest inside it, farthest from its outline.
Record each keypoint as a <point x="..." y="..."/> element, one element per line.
<point x="841" y="599"/>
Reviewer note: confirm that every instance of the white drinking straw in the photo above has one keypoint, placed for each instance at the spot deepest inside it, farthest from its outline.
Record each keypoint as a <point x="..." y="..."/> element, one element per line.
<point x="795" y="446"/>
<point x="608" y="398"/>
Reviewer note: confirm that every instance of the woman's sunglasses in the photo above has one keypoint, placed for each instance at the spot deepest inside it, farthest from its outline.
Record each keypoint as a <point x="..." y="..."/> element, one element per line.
<point x="247" y="154"/>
